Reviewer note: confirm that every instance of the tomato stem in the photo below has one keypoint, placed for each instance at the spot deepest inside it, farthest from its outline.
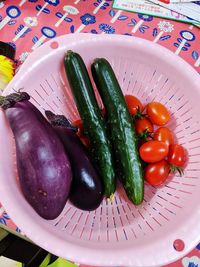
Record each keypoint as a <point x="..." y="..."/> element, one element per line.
<point x="145" y="135"/>
<point x="138" y="115"/>
<point x="174" y="168"/>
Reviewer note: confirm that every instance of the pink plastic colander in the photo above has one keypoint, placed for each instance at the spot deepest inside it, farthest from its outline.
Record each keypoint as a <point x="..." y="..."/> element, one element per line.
<point x="166" y="225"/>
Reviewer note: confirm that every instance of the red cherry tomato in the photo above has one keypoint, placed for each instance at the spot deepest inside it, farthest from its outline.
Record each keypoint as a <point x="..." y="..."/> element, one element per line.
<point x="177" y="155"/>
<point x="142" y="125"/>
<point x="156" y="173"/>
<point x="153" y="151"/>
<point x="133" y="104"/>
<point x="85" y="141"/>
<point x="163" y="134"/>
<point x="158" y="113"/>
<point x="79" y="124"/>
<point x="80" y="133"/>
<point x="103" y="112"/>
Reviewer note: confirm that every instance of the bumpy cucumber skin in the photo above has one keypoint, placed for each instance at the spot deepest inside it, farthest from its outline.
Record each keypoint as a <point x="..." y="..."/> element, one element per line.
<point x="122" y="132"/>
<point x="94" y="124"/>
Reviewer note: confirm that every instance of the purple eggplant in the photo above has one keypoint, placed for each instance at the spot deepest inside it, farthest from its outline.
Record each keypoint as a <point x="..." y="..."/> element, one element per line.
<point x="43" y="167"/>
<point x="87" y="189"/>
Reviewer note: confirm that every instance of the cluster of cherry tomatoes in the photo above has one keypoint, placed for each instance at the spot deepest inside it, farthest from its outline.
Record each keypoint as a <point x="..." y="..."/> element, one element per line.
<point x="157" y="147"/>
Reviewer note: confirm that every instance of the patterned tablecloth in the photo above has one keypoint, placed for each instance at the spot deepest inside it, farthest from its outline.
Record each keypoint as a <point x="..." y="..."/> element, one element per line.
<point x="26" y="24"/>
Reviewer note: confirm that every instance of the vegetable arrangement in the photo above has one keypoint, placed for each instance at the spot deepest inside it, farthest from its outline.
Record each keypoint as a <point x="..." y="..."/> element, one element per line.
<point x="57" y="160"/>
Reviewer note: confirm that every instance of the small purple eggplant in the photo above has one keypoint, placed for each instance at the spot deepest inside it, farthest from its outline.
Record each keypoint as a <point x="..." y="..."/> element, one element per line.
<point x="87" y="189"/>
<point x="43" y="167"/>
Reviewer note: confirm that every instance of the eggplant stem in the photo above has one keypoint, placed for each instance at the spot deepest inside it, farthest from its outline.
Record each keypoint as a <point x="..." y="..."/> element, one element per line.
<point x="19" y="90"/>
<point x="10" y="100"/>
<point x="1" y="100"/>
<point x="59" y="120"/>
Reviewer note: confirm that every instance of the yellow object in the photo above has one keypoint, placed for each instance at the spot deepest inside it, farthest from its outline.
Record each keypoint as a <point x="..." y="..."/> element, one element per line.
<point x="58" y="263"/>
<point x="6" y="71"/>
<point x="62" y="263"/>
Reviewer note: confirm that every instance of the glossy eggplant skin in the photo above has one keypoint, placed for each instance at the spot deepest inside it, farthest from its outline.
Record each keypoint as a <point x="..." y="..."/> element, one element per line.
<point x="43" y="167"/>
<point x="87" y="189"/>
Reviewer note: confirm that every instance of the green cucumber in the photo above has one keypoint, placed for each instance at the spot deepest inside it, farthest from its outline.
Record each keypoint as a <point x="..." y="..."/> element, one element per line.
<point x="122" y="132"/>
<point x="93" y="122"/>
